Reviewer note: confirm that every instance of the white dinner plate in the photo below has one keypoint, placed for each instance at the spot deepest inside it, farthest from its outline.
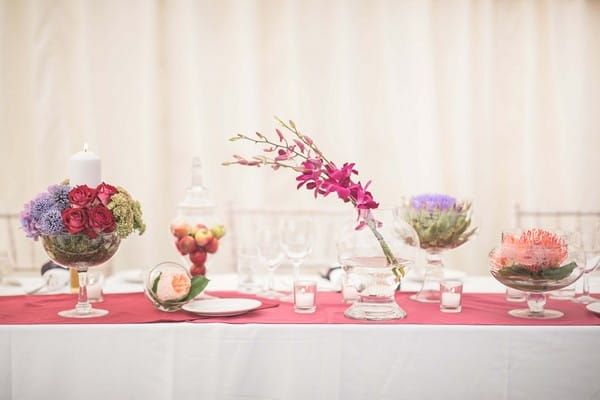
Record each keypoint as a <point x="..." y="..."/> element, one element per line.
<point x="594" y="307"/>
<point x="222" y="307"/>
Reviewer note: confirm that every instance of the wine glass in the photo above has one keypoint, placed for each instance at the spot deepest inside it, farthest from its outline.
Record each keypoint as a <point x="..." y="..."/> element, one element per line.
<point x="296" y="240"/>
<point x="590" y="237"/>
<point x="271" y="255"/>
<point x="80" y="252"/>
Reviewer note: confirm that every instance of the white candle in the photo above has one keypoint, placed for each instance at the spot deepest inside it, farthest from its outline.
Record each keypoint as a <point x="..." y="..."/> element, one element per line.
<point x="450" y="300"/>
<point x="304" y="299"/>
<point x="85" y="169"/>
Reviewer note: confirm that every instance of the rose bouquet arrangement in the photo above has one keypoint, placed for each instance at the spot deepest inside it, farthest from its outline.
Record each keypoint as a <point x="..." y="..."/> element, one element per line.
<point x="295" y="151"/>
<point x="535" y="253"/>
<point x="169" y="286"/>
<point x="70" y="219"/>
<point x="441" y="221"/>
<point x="82" y="210"/>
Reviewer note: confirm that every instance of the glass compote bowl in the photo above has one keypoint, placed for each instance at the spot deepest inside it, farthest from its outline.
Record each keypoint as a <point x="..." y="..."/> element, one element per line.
<point x="80" y="252"/>
<point x="537" y="261"/>
<point x="442" y="223"/>
<point x="375" y="258"/>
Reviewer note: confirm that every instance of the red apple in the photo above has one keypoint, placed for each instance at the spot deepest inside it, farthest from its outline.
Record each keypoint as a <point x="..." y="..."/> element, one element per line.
<point x="187" y="244"/>
<point x="203" y="236"/>
<point x="212" y="246"/>
<point x="178" y="247"/>
<point x="196" y="228"/>
<point x="198" y="257"/>
<point x="198" y="269"/>
<point x="179" y="229"/>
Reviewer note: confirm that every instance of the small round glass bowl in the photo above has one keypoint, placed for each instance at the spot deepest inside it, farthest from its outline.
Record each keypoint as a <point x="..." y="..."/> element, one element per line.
<point x="167" y="286"/>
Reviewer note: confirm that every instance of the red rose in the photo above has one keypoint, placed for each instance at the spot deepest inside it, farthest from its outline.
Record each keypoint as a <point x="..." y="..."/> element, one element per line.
<point x="101" y="219"/>
<point x="75" y="219"/>
<point x="104" y="191"/>
<point x="81" y="196"/>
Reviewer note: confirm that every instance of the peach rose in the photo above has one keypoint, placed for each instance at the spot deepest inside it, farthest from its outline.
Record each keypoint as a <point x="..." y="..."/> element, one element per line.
<point x="173" y="286"/>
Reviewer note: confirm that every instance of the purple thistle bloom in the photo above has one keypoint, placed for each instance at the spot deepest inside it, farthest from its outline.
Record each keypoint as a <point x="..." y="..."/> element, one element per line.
<point x="60" y="195"/>
<point x="40" y="205"/>
<point x="51" y="222"/>
<point x="432" y="202"/>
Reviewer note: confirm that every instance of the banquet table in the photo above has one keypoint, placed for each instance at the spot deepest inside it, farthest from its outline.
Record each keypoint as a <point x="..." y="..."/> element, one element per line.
<point x="238" y="359"/>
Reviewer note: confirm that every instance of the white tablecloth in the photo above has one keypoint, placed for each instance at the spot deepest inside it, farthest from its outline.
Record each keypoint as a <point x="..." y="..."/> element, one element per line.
<point x="228" y="361"/>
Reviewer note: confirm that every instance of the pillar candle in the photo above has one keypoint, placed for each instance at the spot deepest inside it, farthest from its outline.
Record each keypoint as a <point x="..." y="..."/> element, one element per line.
<point x="85" y="168"/>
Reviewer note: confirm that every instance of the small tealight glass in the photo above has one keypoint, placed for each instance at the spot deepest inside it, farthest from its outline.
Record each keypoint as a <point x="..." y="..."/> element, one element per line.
<point x="94" y="286"/>
<point x="248" y="265"/>
<point x="515" y="295"/>
<point x="451" y="295"/>
<point x="305" y="297"/>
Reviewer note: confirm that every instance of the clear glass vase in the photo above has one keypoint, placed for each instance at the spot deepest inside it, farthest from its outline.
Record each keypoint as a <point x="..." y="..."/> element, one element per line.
<point x="79" y="252"/>
<point x="376" y="258"/>
<point x="197" y="228"/>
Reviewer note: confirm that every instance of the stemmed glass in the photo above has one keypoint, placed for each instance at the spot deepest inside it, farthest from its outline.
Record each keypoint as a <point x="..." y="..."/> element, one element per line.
<point x="80" y="253"/>
<point x="270" y="253"/>
<point x="590" y="237"/>
<point x="296" y="240"/>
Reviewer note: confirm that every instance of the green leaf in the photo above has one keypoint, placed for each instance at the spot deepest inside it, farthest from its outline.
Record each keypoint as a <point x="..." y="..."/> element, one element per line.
<point x="155" y="283"/>
<point x="514" y="270"/>
<point x="550" y="273"/>
<point x="559" y="273"/>
<point x="199" y="282"/>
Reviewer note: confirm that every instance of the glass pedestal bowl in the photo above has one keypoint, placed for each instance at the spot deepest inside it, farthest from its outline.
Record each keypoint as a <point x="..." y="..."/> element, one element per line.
<point x="537" y="261"/>
<point x="79" y="252"/>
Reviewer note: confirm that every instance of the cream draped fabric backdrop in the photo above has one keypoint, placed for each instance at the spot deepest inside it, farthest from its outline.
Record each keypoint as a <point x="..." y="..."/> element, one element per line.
<point x="497" y="101"/>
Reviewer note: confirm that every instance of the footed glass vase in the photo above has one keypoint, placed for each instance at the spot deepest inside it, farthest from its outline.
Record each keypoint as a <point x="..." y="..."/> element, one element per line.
<point x="79" y="252"/>
<point x="537" y="261"/>
<point x="376" y="257"/>
<point x="442" y="223"/>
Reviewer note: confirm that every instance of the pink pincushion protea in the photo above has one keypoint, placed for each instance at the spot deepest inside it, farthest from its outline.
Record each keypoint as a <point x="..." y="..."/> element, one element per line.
<point x="534" y="250"/>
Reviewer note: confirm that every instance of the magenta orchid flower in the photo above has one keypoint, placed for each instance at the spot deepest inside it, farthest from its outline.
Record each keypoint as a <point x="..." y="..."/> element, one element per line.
<point x="317" y="173"/>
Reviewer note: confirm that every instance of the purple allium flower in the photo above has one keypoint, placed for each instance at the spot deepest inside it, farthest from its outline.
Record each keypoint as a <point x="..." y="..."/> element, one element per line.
<point x="40" y="205"/>
<point x="60" y="195"/>
<point x="432" y="202"/>
<point x="51" y="222"/>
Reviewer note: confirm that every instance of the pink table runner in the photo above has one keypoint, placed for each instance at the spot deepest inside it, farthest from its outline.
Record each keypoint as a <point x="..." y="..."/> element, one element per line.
<point x="478" y="309"/>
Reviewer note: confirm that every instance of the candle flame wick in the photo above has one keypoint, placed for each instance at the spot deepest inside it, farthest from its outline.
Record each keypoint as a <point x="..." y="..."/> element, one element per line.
<point x="85" y="147"/>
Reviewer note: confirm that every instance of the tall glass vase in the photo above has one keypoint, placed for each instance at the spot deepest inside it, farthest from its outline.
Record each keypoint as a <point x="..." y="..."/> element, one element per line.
<point x="376" y="257"/>
<point x="79" y="252"/>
